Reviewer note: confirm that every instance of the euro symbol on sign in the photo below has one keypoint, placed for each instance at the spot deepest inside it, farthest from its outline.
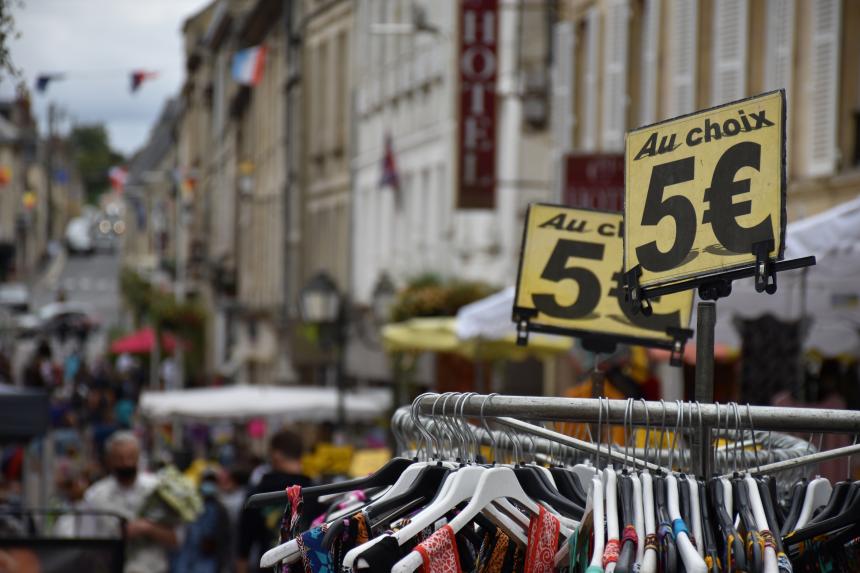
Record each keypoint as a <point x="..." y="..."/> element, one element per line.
<point x="723" y="213"/>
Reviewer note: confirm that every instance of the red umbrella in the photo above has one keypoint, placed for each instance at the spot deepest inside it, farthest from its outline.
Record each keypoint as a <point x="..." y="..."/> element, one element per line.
<point x="142" y="341"/>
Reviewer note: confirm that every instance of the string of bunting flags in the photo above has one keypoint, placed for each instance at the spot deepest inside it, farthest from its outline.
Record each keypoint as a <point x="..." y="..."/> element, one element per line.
<point x="247" y="69"/>
<point x="136" y="78"/>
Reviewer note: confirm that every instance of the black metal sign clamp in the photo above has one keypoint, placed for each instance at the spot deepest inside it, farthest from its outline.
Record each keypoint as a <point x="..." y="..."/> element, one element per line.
<point x="765" y="270"/>
<point x="715" y="286"/>
<point x="521" y="318"/>
<point x="680" y="336"/>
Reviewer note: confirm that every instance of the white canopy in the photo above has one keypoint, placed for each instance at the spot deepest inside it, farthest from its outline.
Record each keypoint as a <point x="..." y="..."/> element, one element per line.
<point x="491" y="318"/>
<point x="830" y="297"/>
<point x="292" y="403"/>
<point x="488" y="318"/>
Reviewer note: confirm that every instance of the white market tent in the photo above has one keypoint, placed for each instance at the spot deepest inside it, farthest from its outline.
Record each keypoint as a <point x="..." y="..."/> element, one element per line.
<point x="243" y="402"/>
<point x="830" y="294"/>
<point x="491" y="319"/>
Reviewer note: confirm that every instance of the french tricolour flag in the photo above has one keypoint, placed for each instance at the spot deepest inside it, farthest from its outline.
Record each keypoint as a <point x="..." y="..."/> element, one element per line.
<point x="248" y="65"/>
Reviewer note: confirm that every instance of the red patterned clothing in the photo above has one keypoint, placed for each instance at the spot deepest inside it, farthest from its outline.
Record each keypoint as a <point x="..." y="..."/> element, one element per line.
<point x="542" y="542"/>
<point x="439" y="552"/>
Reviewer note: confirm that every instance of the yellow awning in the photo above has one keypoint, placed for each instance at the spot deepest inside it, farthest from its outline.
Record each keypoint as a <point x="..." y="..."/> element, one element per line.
<point x="439" y="334"/>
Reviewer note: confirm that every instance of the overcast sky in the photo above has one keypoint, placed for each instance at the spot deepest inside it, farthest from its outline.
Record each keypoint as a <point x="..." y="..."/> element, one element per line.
<point x="99" y="42"/>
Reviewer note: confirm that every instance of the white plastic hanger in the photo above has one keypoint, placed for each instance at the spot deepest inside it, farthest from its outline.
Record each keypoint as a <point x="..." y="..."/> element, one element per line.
<point x="696" y="516"/>
<point x="638" y="518"/>
<point x="728" y="498"/>
<point x="611" y="510"/>
<point x="770" y="563"/>
<point x="692" y="562"/>
<point x="289" y="550"/>
<point x="584" y="471"/>
<point x="649" y="557"/>
<point x="462" y="486"/>
<point x="599" y="544"/>
<point x="649" y="560"/>
<point x="817" y="493"/>
<point x="494" y="483"/>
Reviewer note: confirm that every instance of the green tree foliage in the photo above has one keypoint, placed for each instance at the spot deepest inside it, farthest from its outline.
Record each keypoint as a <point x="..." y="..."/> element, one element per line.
<point x="8" y="32"/>
<point x="429" y="295"/>
<point x="94" y="157"/>
<point x="150" y="305"/>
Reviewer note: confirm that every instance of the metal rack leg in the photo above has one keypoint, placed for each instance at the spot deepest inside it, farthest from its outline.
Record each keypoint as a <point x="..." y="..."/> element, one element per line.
<point x="704" y="392"/>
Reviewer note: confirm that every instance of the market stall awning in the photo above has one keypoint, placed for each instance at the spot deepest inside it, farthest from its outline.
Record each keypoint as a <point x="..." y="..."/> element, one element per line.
<point x="828" y="294"/>
<point x="141" y="342"/>
<point x="439" y="334"/>
<point x="243" y="402"/>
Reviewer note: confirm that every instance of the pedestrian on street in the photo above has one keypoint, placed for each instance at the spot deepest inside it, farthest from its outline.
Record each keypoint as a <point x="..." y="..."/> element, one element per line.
<point x="207" y="541"/>
<point x="258" y="528"/>
<point x="124" y="493"/>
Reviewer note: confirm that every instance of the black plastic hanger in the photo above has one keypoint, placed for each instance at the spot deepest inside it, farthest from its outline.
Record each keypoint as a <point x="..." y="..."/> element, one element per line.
<point x="666" y="549"/>
<point x="535" y="485"/>
<point x="568" y="485"/>
<point x="835" y="504"/>
<point x="770" y="482"/>
<point x="685" y="501"/>
<point x="849" y="515"/>
<point x="734" y="557"/>
<point x="424" y="488"/>
<point x="712" y="554"/>
<point x="744" y="508"/>
<point x="383" y="477"/>
<point x="627" y="555"/>
<point x="770" y="513"/>
<point x="427" y="483"/>
<point x="798" y="491"/>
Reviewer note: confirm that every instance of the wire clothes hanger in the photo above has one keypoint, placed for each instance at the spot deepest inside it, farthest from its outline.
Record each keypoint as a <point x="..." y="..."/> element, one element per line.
<point x="443" y="437"/>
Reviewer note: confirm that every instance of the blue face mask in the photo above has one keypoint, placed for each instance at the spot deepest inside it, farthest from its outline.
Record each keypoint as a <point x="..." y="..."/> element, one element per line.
<point x="208" y="489"/>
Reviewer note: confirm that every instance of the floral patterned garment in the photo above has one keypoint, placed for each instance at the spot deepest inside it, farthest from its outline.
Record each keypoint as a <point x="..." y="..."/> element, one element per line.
<point x="542" y="542"/>
<point x="439" y="552"/>
<point x="315" y="558"/>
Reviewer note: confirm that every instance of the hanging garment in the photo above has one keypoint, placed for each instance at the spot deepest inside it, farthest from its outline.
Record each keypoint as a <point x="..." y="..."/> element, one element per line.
<point x="315" y="558"/>
<point x="839" y="552"/>
<point x="382" y="556"/>
<point x="439" y="552"/>
<point x="292" y="513"/>
<point x="542" y="542"/>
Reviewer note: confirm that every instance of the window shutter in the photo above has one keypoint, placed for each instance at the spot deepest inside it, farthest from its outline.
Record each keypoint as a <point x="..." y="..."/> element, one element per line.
<point x="648" y="58"/>
<point x="823" y="85"/>
<point x="682" y="91"/>
<point x="615" y="40"/>
<point x="779" y="45"/>
<point x="589" y="121"/>
<point x="562" y="86"/>
<point x="729" y="68"/>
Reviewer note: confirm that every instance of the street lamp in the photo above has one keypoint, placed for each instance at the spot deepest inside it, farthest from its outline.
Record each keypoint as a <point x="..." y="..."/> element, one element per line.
<point x="383" y="298"/>
<point x="322" y="304"/>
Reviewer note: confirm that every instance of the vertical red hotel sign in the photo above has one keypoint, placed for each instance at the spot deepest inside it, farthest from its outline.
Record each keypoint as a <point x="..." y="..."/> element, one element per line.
<point x="478" y="63"/>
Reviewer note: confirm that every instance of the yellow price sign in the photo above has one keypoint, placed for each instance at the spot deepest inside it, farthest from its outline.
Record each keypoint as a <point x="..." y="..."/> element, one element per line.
<point x="570" y="281"/>
<point x="706" y="191"/>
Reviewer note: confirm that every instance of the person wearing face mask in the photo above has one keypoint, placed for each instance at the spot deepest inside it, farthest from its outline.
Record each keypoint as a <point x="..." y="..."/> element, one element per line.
<point x="124" y="492"/>
<point x="207" y="540"/>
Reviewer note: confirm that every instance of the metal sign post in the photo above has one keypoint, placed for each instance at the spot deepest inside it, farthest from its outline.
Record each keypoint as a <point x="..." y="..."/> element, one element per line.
<point x="705" y="205"/>
<point x="706" y="321"/>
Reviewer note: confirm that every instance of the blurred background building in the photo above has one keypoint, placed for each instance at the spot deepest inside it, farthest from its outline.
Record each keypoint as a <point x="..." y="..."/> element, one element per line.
<point x="346" y="153"/>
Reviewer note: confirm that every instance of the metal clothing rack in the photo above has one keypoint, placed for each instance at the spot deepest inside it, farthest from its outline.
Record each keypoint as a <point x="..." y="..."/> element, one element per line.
<point x="700" y="418"/>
